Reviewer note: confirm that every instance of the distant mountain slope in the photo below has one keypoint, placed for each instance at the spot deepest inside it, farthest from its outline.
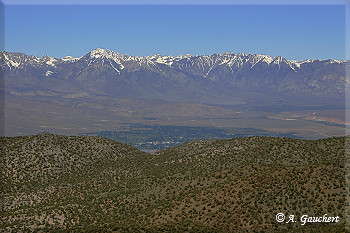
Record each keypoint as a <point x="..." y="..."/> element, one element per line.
<point x="92" y="184"/>
<point x="183" y="78"/>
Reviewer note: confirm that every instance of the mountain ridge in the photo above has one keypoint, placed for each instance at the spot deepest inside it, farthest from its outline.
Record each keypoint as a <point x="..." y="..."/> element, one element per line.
<point x="166" y="59"/>
<point x="181" y="78"/>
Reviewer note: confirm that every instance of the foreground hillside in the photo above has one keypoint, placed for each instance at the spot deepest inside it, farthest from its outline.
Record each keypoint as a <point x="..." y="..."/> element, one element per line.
<point x="92" y="184"/>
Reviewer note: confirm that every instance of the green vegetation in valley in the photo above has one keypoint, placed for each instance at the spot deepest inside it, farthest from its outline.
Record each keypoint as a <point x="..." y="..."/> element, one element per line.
<point x="150" y="138"/>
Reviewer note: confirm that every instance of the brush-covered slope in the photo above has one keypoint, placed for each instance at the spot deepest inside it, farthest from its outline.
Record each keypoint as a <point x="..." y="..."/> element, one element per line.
<point x="91" y="184"/>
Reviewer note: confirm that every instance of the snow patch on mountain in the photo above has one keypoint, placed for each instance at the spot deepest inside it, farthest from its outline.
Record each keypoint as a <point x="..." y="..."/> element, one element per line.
<point x="10" y="63"/>
<point x="13" y="63"/>
<point x="167" y="60"/>
<point x="48" y="73"/>
<point x="51" y="61"/>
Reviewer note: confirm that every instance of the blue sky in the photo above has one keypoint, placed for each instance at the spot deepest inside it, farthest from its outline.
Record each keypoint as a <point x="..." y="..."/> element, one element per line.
<point x="293" y="31"/>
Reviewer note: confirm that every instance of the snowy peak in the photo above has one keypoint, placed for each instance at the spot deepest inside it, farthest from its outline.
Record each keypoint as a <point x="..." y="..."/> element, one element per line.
<point x="102" y="53"/>
<point x="157" y="58"/>
<point x="70" y="59"/>
<point x="109" y="56"/>
<point x="187" y="56"/>
<point x="7" y="61"/>
<point x="49" y="60"/>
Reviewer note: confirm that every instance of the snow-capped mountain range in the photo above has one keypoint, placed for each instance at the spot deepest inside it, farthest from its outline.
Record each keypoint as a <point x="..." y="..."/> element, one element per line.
<point x="19" y="60"/>
<point x="106" y="72"/>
